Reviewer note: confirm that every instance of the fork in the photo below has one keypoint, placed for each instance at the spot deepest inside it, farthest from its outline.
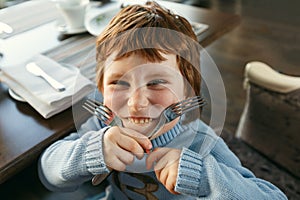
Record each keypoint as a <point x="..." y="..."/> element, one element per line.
<point x="170" y="113"/>
<point x="102" y="112"/>
<point x="176" y="110"/>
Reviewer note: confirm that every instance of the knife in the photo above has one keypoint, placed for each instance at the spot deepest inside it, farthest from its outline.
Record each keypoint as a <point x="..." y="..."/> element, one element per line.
<point x="37" y="71"/>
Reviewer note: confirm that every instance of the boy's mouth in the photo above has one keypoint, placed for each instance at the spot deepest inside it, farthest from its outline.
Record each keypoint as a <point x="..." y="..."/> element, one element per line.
<point x="140" y="120"/>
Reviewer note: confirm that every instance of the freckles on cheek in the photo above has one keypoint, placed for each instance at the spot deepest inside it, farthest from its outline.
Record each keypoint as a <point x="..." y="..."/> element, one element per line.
<point x="164" y="99"/>
<point x="107" y="97"/>
<point x="114" y="100"/>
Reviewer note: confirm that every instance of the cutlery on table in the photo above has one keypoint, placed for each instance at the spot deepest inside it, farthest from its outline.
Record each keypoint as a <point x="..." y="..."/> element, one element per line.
<point x="37" y="71"/>
<point x="170" y="113"/>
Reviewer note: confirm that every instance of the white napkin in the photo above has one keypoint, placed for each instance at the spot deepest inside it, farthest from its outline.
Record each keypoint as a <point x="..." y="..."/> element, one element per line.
<point x="39" y="94"/>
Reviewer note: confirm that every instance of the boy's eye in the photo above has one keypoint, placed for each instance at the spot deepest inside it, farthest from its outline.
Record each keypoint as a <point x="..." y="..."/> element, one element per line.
<point x="120" y="83"/>
<point x="156" y="82"/>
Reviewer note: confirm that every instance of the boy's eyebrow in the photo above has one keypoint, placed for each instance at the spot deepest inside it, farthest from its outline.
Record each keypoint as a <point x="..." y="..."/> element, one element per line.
<point x="156" y="74"/>
<point x="164" y="74"/>
<point x="116" y="75"/>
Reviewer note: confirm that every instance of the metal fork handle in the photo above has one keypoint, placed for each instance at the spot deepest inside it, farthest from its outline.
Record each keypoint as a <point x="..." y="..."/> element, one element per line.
<point x="157" y="128"/>
<point x="116" y="122"/>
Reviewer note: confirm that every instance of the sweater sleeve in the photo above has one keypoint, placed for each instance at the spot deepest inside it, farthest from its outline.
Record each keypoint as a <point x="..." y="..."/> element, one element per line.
<point x="73" y="160"/>
<point x="220" y="175"/>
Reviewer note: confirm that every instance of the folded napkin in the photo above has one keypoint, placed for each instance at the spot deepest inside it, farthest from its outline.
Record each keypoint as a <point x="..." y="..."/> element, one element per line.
<point x="38" y="93"/>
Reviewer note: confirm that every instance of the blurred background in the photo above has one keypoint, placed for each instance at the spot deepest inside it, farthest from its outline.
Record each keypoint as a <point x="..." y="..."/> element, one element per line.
<point x="6" y="3"/>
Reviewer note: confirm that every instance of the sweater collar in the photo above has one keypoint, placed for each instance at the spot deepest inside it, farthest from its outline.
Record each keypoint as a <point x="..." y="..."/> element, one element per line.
<point x="167" y="137"/>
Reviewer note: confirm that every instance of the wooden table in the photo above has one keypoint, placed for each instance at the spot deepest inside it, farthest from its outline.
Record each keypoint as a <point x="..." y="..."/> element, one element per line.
<point x="24" y="134"/>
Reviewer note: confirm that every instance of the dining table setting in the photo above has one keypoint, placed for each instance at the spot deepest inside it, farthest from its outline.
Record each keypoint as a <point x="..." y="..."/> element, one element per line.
<point x="47" y="68"/>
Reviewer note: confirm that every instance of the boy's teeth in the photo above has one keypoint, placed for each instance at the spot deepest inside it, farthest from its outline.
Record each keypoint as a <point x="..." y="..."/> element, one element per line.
<point x="140" y="121"/>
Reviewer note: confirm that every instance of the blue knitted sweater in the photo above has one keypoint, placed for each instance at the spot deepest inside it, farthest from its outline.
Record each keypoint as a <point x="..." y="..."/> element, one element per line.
<point x="207" y="167"/>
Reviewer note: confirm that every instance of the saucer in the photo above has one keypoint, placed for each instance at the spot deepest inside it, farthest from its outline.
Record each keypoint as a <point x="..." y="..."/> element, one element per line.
<point x="96" y="21"/>
<point x="15" y="96"/>
<point x="62" y="28"/>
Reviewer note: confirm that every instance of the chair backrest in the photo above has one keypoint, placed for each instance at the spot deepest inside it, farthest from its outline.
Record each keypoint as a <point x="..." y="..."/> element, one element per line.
<point x="263" y="75"/>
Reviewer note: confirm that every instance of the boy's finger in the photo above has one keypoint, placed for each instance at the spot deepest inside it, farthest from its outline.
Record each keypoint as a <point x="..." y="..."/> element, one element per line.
<point x="115" y="163"/>
<point x="155" y="156"/>
<point x="140" y="138"/>
<point x="131" y="146"/>
<point x="125" y="156"/>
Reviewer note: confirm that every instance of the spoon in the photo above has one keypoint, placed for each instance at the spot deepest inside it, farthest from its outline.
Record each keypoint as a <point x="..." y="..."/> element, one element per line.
<point x="37" y="71"/>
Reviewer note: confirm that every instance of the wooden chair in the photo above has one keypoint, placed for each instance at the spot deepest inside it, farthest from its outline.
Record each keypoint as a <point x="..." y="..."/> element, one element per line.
<point x="270" y="121"/>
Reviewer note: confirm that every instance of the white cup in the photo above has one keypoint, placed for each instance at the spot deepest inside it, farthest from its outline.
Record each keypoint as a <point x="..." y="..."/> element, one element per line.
<point x="73" y="12"/>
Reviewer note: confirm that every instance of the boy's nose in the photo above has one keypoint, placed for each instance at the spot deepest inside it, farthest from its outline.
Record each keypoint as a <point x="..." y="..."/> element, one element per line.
<point x="138" y="100"/>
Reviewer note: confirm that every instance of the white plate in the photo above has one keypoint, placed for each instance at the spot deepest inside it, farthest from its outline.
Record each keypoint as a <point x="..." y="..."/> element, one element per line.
<point x="17" y="97"/>
<point x="96" y="25"/>
<point x="98" y="19"/>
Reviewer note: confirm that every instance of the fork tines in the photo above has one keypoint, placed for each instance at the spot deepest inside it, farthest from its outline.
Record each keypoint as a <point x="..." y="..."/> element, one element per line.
<point x="98" y="109"/>
<point x="188" y="105"/>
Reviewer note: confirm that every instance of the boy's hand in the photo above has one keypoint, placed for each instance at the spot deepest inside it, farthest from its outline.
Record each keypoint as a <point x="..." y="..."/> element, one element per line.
<point x="120" y="145"/>
<point x="165" y="161"/>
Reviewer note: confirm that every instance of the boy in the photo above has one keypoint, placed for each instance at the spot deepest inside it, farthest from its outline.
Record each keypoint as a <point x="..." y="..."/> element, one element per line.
<point x="148" y="59"/>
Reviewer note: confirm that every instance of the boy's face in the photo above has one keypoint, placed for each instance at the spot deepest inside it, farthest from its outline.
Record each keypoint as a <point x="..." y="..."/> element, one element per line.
<point x="138" y="91"/>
